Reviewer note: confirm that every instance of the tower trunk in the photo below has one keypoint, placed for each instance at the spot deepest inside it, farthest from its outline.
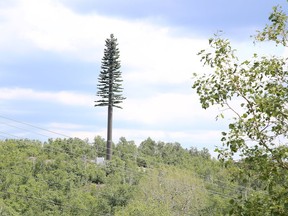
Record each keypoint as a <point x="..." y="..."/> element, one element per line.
<point x="109" y="133"/>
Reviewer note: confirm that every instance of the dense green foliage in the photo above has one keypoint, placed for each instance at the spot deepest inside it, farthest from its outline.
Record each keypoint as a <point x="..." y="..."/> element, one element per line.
<point x="256" y="92"/>
<point x="61" y="177"/>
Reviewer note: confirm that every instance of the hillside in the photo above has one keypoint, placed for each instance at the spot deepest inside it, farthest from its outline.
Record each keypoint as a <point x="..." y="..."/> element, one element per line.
<point x="61" y="177"/>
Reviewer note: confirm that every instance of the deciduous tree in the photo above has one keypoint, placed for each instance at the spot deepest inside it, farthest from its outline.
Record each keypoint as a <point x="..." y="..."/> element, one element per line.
<point x="256" y="92"/>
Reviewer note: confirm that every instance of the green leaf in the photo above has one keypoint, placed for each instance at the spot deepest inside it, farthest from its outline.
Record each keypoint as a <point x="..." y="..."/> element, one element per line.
<point x="210" y="40"/>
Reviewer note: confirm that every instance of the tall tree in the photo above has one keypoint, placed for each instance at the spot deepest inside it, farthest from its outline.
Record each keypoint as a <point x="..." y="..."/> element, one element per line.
<point x="256" y="92"/>
<point x="110" y="85"/>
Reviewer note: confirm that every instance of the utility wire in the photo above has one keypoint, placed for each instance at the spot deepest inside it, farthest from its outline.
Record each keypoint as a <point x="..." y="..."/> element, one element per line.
<point x="24" y="123"/>
<point x="24" y="129"/>
<point x="4" y="136"/>
<point x="147" y="159"/>
<point x="42" y="200"/>
<point x="10" y="134"/>
<point x="153" y="162"/>
<point x="40" y="128"/>
<point x="1" y="116"/>
<point x="173" y="181"/>
<point x="212" y="192"/>
<point x="22" y="138"/>
<point x="130" y="171"/>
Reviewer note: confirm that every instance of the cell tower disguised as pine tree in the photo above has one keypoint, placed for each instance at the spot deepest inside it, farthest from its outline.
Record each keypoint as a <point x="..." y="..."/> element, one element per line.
<point x="110" y="86"/>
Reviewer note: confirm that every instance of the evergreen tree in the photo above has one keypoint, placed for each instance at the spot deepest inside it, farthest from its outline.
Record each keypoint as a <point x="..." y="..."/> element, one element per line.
<point x="109" y="86"/>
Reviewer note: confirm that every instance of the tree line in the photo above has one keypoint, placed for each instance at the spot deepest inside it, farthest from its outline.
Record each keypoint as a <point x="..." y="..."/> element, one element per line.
<point x="61" y="177"/>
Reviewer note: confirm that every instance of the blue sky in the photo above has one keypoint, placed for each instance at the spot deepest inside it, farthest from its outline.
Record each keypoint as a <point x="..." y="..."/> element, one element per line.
<point x="51" y="50"/>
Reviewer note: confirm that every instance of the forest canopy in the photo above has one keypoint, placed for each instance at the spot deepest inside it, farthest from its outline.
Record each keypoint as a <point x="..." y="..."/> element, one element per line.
<point x="62" y="177"/>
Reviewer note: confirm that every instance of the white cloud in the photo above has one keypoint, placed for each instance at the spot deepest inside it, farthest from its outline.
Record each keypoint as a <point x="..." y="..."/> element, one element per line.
<point x="165" y="108"/>
<point x="166" y="60"/>
<point x="149" y="52"/>
<point x="49" y="26"/>
<point x="62" y="97"/>
<point x="150" y="55"/>
<point x="67" y="126"/>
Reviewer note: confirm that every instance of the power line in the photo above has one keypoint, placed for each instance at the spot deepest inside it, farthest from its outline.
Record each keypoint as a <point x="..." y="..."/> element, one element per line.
<point x="42" y="200"/>
<point x="10" y="134"/>
<point x="213" y="192"/>
<point x="147" y="159"/>
<point x="4" y="137"/>
<point x="234" y="189"/>
<point x="224" y="195"/>
<point x="59" y="149"/>
<point x="84" y="209"/>
<point x="24" y="123"/>
<point x="158" y="163"/>
<point x="37" y="127"/>
<point x="23" y="129"/>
